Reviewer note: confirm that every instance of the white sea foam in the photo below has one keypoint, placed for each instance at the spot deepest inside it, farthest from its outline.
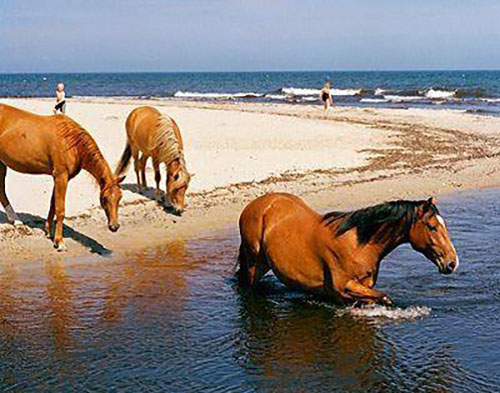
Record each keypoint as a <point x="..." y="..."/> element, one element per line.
<point x="439" y="94"/>
<point x="276" y="96"/>
<point x="380" y="92"/>
<point x="374" y="312"/>
<point x="393" y="98"/>
<point x="189" y="94"/>
<point x="373" y="100"/>
<point x="345" y="92"/>
<point x="299" y="91"/>
<point x="490" y="99"/>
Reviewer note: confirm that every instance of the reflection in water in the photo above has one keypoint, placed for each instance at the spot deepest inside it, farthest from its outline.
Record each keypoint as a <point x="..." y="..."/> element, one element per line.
<point x="284" y="347"/>
<point x="60" y="308"/>
<point x="288" y="345"/>
<point x="173" y="319"/>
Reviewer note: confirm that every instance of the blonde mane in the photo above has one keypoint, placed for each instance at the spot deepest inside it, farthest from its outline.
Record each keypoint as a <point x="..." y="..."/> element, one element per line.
<point x="165" y="141"/>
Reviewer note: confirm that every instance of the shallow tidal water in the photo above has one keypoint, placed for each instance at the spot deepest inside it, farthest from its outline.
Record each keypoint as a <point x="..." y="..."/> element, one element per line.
<point x="172" y="319"/>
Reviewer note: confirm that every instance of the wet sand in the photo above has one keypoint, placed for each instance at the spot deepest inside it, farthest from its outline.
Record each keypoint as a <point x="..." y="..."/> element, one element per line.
<point x="240" y="151"/>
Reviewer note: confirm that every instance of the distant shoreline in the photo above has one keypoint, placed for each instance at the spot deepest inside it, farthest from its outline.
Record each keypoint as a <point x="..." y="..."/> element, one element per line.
<point x="474" y="91"/>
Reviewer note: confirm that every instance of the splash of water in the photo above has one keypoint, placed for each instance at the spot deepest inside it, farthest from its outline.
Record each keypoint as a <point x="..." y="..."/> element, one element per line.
<point x="412" y="312"/>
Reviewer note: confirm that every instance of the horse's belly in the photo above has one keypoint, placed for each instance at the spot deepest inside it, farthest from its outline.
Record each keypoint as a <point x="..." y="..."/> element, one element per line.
<point x="21" y="165"/>
<point x="295" y="263"/>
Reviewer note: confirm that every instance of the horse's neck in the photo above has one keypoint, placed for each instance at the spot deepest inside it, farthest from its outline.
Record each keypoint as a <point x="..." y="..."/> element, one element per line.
<point x="390" y="244"/>
<point x="97" y="166"/>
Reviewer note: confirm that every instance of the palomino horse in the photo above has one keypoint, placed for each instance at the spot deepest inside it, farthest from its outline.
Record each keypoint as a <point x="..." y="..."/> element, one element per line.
<point x="159" y="137"/>
<point x="336" y="254"/>
<point x="56" y="146"/>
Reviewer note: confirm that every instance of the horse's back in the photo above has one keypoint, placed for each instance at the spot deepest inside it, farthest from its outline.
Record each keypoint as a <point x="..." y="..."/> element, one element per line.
<point x="28" y="141"/>
<point x="142" y="125"/>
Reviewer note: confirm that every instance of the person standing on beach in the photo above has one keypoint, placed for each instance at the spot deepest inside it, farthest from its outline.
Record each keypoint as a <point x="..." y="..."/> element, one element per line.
<point x="326" y="96"/>
<point x="60" y="106"/>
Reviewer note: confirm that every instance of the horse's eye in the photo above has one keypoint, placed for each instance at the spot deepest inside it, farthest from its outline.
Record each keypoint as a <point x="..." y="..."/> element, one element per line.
<point x="176" y="177"/>
<point x="432" y="228"/>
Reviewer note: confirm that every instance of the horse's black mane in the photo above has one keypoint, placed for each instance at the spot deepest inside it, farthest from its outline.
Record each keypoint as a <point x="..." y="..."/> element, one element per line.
<point x="369" y="220"/>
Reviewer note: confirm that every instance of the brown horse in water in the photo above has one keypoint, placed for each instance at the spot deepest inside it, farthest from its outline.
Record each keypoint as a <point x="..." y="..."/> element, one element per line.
<point x="59" y="147"/>
<point x="157" y="136"/>
<point x="337" y="254"/>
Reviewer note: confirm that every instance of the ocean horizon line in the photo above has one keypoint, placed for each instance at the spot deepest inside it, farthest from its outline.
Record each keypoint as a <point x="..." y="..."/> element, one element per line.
<point x="245" y="72"/>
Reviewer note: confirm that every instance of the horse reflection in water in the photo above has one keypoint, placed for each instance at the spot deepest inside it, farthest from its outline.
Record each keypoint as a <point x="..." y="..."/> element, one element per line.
<point x="284" y="342"/>
<point x="146" y="278"/>
<point x="51" y="316"/>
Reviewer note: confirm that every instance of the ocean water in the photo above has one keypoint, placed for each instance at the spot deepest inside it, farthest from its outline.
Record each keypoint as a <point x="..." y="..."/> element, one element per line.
<point x="474" y="91"/>
<point x="172" y="319"/>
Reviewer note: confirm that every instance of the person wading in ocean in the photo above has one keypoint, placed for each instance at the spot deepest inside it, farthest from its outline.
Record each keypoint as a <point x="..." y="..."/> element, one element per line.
<point x="326" y="96"/>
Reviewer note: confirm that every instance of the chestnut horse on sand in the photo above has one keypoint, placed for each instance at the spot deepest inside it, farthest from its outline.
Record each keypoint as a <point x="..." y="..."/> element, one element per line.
<point x="151" y="134"/>
<point x="337" y="254"/>
<point x="59" y="147"/>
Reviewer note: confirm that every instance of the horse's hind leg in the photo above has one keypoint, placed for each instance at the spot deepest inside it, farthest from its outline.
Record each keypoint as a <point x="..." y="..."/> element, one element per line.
<point x="142" y="164"/>
<point x="12" y="217"/>
<point x="253" y="266"/>
<point x="137" y="169"/>
<point x="156" y="166"/>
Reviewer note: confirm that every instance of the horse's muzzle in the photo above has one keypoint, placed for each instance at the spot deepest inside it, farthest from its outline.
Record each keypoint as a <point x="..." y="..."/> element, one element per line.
<point x="449" y="268"/>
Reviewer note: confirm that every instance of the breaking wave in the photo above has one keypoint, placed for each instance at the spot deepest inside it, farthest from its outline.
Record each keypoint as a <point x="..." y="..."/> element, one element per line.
<point x="434" y="95"/>
<point x="439" y="94"/>
<point x="188" y="94"/>
<point x="374" y="100"/>
<point x="299" y="91"/>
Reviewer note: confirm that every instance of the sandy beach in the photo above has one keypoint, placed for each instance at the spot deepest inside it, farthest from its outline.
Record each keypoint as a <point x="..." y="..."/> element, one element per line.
<point x="237" y="151"/>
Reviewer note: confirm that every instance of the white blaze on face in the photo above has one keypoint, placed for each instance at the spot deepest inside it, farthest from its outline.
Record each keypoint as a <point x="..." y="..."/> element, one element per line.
<point x="440" y="220"/>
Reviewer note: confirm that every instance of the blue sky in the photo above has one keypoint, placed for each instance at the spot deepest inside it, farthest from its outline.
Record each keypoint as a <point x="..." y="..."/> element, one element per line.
<point x="238" y="35"/>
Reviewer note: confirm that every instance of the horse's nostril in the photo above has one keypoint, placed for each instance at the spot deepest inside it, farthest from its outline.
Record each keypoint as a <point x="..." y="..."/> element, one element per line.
<point x="452" y="265"/>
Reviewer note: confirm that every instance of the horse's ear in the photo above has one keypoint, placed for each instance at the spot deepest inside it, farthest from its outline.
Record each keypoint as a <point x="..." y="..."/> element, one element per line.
<point x="424" y="207"/>
<point x="120" y="179"/>
<point x="432" y="201"/>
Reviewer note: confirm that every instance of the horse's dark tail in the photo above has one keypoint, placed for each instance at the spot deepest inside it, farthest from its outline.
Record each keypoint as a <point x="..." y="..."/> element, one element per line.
<point x="241" y="273"/>
<point x="124" y="161"/>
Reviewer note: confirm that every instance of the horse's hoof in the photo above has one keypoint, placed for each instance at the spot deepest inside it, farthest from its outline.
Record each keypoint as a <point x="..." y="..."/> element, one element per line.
<point x="387" y="301"/>
<point x="17" y="223"/>
<point x="61" y="247"/>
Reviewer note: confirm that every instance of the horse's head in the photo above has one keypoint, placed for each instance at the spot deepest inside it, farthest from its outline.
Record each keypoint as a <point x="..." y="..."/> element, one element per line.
<point x="178" y="179"/>
<point x="428" y="235"/>
<point x="110" y="197"/>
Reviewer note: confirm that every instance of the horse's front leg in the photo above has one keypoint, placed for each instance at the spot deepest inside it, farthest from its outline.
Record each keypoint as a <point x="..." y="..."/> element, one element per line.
<point x="50" y="218"/>
<point x="12" y="217"/>
<point x="353" y="290"/>
<point x="60" y="187"/>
